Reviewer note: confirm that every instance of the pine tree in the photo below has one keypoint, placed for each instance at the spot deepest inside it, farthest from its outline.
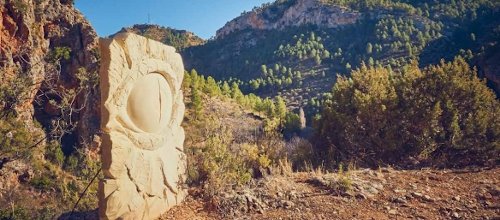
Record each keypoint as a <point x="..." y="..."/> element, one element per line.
<point x="269" y="108"/>
<point x="263" y="69"/>
<point x="409" y="49"/>
<point x="211" y="88"/>
<point x="291" y="124"/>
<point x="194" y="74"/>
<point x="317" y="59"/>
<point x="326" y="54"/>
<point x="280" y="108"/>
<point x="254" y="84"/>
<point x="236" y="92"/>
<point x="186" y="83"/>
<point x="196" y="102"/>
<point x="298" y="75"/>
<point x="270" y="72"/>
<point x="226" y="90"/>
<point x="313" y="36"/>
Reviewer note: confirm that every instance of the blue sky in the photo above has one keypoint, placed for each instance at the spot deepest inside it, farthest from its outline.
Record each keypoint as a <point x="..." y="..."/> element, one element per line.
<point x="202" y="17"/>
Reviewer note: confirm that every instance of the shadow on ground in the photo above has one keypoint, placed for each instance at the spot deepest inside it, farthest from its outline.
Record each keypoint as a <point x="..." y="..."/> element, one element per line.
<point x="88" y="215"/>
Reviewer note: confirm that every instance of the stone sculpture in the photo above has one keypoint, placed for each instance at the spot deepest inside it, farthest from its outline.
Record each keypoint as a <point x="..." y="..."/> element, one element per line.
<point x="142" y="109"/>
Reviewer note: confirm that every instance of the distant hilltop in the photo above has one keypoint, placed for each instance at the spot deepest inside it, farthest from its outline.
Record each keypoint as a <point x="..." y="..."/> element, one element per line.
<point x="179" y="39"/>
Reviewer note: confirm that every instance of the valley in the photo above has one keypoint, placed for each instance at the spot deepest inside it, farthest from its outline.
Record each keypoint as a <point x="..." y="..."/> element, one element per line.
<point x="295" y="109"/>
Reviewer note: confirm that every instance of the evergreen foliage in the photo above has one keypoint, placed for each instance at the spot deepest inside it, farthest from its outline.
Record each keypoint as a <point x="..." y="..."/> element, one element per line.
<point x="439" y="113"/>
<point x="199" y="86"/>
<point x="309" y="57"/>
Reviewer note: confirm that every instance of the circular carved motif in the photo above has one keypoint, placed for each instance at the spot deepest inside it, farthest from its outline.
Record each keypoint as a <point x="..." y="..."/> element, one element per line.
<point x="150" y="103"/>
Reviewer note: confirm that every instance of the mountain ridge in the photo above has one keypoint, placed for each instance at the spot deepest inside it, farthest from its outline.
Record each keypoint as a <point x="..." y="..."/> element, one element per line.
<point x="285" y="13"/>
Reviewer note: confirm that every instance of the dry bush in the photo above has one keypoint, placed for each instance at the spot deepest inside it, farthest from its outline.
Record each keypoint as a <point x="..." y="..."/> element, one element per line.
<point x="300" y="152"/>
<point x="219" y="162"/>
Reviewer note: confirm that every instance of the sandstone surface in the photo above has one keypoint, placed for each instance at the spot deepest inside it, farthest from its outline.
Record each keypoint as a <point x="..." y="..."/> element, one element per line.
<point x="141" y="109"/>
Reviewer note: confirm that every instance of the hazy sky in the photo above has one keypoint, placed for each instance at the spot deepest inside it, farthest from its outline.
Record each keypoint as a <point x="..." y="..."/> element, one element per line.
<point x="203" y="17"/>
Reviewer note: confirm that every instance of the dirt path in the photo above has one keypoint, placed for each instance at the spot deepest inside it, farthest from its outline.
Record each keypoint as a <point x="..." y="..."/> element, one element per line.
<point x="373" y="194"/>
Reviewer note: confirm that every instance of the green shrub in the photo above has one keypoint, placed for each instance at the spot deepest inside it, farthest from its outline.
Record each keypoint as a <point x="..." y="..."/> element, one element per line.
<point x="46" y="214"/>
<point x="43" y="182"/>
<point x="436" y="113"/>
<point x="15" y="139"/>
<point x="342" y="181"/>
<point x="21" y="6"/>
<point x="343" y="184"/>
<point x="59" y="53"/>
<point x="292" y="124"/>
<point x="88" y="166"/>
<point x="71" y="163"/>
<point x="221" y="162"/>
<point x="54" y="153"/>
<point x="214" y="165"/>
<point x="80" y="164"/>
<point x="17" y="213"/>
<point x="13" y="92"/>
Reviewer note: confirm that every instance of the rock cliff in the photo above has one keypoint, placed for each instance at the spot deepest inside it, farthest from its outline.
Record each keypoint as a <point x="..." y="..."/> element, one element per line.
<point x="30" y="33"/>
<point x="287" y="13"/>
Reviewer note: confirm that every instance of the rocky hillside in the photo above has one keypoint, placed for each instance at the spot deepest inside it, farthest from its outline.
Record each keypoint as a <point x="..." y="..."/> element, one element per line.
<point x="295" y="48"/>
<point x="35" y="35"/>
<point x="49" y="116"/>
<point x="180" y="39"/>
<point x="285" y="13"/>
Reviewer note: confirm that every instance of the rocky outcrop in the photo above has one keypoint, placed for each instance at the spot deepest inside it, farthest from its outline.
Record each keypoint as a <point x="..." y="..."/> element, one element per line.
<point x="142" y="110"/>
<point x="287" y="13"/>
<point x="30" y="31"/>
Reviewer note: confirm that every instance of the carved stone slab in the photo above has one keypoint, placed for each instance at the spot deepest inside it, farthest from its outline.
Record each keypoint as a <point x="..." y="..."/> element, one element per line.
<point x="141" y="109"/>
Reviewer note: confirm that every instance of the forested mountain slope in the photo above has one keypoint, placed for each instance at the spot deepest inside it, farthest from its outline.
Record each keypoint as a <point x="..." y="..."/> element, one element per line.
<point x="295" y="48"/>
